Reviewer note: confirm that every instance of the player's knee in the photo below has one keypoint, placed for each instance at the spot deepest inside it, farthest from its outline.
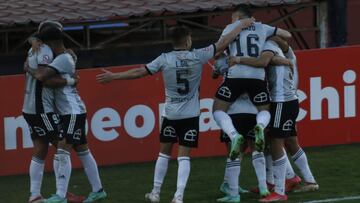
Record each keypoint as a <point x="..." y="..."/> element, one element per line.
<point x="265" y="107"/>
<point x="81" y="148"/>
<point x="220" y="105"/>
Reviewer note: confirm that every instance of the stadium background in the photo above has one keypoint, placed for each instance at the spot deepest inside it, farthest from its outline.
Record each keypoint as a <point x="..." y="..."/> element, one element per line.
<point x="123" y="116"/>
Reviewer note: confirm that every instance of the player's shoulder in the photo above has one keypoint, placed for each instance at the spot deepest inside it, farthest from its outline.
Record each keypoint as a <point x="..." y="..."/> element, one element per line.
<point x="65" y="58"/>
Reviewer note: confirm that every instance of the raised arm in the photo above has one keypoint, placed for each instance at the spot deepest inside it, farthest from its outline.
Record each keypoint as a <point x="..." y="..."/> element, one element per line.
<point x="58" y="81"/>
<point x="283" y="33"/>
<point x="42" y="73"/>
<point x="108" y="76"/>
<point x="225" y="40"/>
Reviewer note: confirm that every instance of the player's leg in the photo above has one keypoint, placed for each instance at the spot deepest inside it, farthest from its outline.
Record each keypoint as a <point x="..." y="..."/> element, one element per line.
<point x="168" y="136"/>
<point x="188" y="133"/>
<point x="91" y="170"/>
<point x="277" y="135"/>
<point x="292" y="180"/>
<point x="226" y="94"/>
<point x="259" y="96"/>
<point x="40" y="134"/>
<point x="300" y="159"/>
<point x="36" y="169"/>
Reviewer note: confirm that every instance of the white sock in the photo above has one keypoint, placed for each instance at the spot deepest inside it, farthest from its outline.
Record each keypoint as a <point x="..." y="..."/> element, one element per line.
<point x="36" y="172"/>
<point x="161" y="167"/>
<point x="91" y="169"/>
<point x="233" y="173"/>
<point x="269" y="169"/>
<point x="279" y="175"/>
<point x="258" y="161"/>
<point x="289" y="169"/>
<point x="263" y="118"/>
<point x="64" y="172"/>
<point x="301" y="162"/>
<point x="183" y="175"/>
<point x="225" y="123"/>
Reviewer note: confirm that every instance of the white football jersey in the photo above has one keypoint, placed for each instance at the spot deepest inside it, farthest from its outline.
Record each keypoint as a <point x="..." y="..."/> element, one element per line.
<point x="282" y="80"/>
<point x="181" y="71"/>
<point x="67" y="99"/>
<point x="249" y="43"/>
<point x="38" y="99"/>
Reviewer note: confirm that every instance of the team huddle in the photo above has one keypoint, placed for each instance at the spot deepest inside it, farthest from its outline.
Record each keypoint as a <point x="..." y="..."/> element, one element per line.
<point x="256" y="107"/>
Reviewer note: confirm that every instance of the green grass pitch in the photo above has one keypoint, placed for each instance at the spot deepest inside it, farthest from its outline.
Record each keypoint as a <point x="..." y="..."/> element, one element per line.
<point x="336" y="168"/>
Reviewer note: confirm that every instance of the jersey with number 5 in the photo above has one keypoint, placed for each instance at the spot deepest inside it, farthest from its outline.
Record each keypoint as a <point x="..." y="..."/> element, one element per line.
<point x="181" y="71"/>
<point x="249" y="43"/>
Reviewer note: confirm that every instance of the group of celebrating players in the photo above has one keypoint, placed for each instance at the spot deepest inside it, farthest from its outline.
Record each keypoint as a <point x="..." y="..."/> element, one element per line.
<point x="252" y="57"/>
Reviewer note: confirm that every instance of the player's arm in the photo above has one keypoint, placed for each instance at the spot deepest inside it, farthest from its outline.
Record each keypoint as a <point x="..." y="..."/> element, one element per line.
<point x="225" y="40"/>
<point x="42" y="73"/>
<point x="58" y="81"/>
<point x="283" y="44"/>
<point x="283" y="33"/>
<point x="279" y="61"/>
<point x="108" y="76"/>
<point x="260" y="62"/>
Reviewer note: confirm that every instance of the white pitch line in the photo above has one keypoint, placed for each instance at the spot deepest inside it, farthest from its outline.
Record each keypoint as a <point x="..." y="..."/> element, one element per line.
<point x="334" y="199"/>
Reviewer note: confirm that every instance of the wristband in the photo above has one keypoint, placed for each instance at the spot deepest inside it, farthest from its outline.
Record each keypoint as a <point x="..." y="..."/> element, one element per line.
<point x="70" y="81"/>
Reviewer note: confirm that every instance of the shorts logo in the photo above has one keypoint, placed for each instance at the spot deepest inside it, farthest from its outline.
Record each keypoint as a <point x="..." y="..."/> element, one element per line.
<point x="288" y="125"/>
<point x="169" y="131"/>
<point x="77" y="134"/>
<point x="225" y="92"/>
<point x="190" y="135"/>
<point x="39" y="131"/>
<point x="262" y="97"/>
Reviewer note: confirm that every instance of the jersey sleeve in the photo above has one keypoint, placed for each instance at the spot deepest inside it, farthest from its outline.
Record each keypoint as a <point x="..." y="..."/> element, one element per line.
<point x="45" y="56"/>
<point x="270" y="46"/>
<point x="230" y="27"/>
<point x="62" y="64"/>
<point x="155" y="65"/>
<point x="269" y="30"/>
<point x="206" y="53"/>
<point x="290" y="54"/>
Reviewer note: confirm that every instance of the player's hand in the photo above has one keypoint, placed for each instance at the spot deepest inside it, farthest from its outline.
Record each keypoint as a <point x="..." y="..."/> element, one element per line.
<point x="105" y="77"/>
<point x="247" y="22"/>
<point x="233" y="60"/>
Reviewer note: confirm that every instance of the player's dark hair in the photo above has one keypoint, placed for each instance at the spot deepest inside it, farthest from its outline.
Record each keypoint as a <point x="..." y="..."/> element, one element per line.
<point x="178" y="34"/>
<point x="245" y="9"/>
<point x="50" y="30"/>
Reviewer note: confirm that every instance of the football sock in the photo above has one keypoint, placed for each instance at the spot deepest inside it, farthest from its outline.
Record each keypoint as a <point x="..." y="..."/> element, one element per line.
<point x="279" y="175"/>
<point x="301" y="162"/>
<point x="161" y="167"/>
<point x="258" y="161"/>
<point x="91" y="169"/>
<point x="263" y="118"/>
<point x="225" y="123"/>
<point x="64" y="172"/>
<point x="183" y="175"/>
<point x="36" y="172"/>
<point x="269" y="169"/>
<point x="233" y="173"/>
<point x="289" y="169"/>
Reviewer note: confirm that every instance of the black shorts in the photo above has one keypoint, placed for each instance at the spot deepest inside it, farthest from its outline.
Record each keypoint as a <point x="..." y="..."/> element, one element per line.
<point x="283" y="119"/>
<point x="43" y="126"/>
<point x="244" y="124"/>
<point x="73" y="128"/>
<point x="187" y="130"/>
<point x="232" y="88"/>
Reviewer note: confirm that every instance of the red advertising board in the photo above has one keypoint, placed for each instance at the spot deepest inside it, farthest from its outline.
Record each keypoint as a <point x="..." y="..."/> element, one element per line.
<point x="123" y="116"/>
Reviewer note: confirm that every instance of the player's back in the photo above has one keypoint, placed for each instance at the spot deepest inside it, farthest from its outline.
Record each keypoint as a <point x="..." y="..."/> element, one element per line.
<point x="38" y="99"/>
<point x="282" y="79"/>
<point x="181" y="70"/>
<point x="249" y="43"/>
<point x="67" y="99"/>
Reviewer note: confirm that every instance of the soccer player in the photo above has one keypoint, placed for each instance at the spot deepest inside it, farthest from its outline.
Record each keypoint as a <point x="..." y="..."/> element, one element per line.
<point x="283" y="82"/>
<point x="72" y="113"/>
<point x="245" y="79"/>
<point x="39" y="113"/>
<point x="181" y="70"/>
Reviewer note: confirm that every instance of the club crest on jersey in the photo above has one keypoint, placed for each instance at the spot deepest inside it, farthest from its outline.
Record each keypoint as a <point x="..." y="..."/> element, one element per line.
<point x="225" y="92"/>
<point x="169" y="131"/>
<point x="191" y="135"/>
<point x="262" y="97"/>
<point x="46" y="58"/>
<point x="288" y="125"/>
